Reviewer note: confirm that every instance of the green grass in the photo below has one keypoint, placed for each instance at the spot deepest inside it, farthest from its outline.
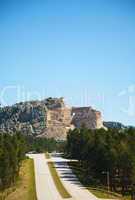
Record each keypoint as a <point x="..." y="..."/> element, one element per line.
<point x="24" y="188"/>
<point x="103" y="194"/>
<point x="47" y="155"/>
<point x="32" y="186"/>
<point x="126" y="198"/>
<point x="100" y="194"/>
<point x="60" y="187"/>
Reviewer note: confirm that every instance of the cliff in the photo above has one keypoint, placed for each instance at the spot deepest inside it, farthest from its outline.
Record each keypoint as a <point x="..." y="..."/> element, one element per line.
<point x="47" y="118"/>
<point x="88" y="117"/>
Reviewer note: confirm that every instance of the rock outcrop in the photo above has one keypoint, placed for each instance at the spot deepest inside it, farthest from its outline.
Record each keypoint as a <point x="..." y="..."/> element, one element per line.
<point x="47" y="118"/>
<point x="58" y="122"/>
<point x="88" y="117"/>
<point x="28" y="117"/>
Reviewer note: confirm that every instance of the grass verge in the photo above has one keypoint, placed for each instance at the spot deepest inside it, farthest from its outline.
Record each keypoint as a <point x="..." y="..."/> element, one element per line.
<point x="24" y="188"/>
<point x="47" y="155"/>
<point x="60" y="187"/>
<point x="103" y="194"/>
<point x="98" y="192"/>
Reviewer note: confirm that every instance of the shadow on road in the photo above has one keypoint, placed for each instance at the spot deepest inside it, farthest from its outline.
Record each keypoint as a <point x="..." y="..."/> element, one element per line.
<point x="66" y="173"/>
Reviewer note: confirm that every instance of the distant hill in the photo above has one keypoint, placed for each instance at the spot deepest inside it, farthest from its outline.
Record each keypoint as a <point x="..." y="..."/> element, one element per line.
<point x="112" y="124"/>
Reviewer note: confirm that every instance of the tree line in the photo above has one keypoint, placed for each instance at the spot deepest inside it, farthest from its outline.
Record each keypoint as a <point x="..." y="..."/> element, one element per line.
<point x="12" y="152"/>
<point x="40" y="145"/>
<point x="13" y="148"/>
<point x="104" y="151"/>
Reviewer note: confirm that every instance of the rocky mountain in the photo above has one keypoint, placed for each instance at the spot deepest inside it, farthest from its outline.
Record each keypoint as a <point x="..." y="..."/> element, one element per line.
<point x="86" y="116"/>
<point x="47" y="118"/>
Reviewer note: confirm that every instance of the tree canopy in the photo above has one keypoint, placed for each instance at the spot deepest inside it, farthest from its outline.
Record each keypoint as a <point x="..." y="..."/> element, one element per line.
<point x="101" y="151"/>
<point x="12" y="152"/>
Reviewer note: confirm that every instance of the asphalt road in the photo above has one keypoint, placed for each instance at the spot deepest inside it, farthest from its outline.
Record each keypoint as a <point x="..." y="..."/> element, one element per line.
<point x="71" y="183"/>
<point x="45" y="186"/>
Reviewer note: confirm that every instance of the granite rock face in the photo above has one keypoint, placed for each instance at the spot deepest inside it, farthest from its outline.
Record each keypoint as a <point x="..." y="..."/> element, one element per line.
<point x="88" y="117"/>
<point x="28" y="117"/>
<point x="58" y="122"/>
<point x="47" y="118"/>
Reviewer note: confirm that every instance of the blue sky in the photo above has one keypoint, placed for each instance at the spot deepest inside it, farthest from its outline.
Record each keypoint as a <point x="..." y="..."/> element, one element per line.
<point x="83" y="50"/>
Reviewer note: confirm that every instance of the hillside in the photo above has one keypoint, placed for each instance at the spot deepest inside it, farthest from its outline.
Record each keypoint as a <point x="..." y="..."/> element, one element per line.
<point x="47" y="118"/>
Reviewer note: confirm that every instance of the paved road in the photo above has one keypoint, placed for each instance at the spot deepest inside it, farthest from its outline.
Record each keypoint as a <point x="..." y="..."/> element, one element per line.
<point x="74" y="187"/>
<point x="45" y="186"/>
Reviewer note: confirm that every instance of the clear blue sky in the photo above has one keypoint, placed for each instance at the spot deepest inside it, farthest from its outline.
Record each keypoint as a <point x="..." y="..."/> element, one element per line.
<point x="83" y="50"/>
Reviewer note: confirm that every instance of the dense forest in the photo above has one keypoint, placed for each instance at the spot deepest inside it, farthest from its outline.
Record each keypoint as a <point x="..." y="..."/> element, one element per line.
<point x="12" y="152"/>
<point x="102" y="152"/>
<point x="13" y="148"/>
<point x="41" y="145"/>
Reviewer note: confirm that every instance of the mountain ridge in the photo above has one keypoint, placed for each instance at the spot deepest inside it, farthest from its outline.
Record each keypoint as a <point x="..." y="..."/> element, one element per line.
<point x="47" y="118"/>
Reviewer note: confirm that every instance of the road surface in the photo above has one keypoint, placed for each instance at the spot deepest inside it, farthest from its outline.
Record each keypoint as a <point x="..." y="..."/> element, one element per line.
<point x="71" y="183"/>
<point x="45" y="186"/>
